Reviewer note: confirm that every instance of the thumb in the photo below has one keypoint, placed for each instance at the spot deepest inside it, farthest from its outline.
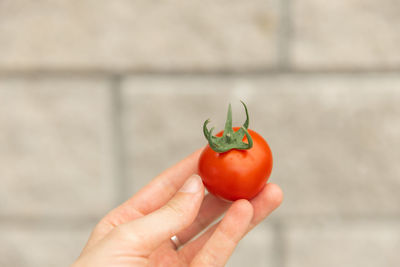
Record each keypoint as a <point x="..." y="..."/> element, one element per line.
<point x="148" y="232"/>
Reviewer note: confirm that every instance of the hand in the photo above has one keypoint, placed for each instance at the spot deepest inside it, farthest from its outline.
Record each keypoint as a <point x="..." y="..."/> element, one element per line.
<point x="138" y="232"/>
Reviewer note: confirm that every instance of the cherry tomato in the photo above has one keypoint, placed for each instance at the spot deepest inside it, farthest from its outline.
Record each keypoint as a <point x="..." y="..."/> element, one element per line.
<point x="236" y="174"/>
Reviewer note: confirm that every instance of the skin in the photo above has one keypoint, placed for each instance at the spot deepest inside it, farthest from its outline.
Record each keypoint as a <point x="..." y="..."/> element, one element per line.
<point x="237" y="174"/>
<point x="138" y="232"/>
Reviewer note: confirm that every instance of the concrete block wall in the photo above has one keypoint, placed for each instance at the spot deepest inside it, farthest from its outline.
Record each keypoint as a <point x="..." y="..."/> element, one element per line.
<point x="86" y="86"/>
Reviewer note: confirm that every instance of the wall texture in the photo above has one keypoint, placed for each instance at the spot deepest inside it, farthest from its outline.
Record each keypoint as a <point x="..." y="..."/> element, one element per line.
<point x="97" y="97"/>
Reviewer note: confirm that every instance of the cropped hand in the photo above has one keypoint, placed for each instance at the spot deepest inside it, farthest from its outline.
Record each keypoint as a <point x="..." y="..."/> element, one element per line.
<point x="138" y="233"/>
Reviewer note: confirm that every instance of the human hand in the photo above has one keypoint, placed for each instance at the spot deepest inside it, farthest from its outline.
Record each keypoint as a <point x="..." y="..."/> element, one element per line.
<point x="138" y="232"/>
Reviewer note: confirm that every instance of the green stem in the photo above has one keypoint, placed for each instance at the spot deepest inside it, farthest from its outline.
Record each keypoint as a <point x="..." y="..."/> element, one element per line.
<point x="230" y="139"/>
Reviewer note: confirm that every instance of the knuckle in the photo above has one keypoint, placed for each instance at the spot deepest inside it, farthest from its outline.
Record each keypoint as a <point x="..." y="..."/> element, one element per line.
<point x="228" y="239"/>
<point x="177" y="212"/>
<point x="209" y="258"/>
<point x="176" y="208"/>
<point x="120" y="231"/>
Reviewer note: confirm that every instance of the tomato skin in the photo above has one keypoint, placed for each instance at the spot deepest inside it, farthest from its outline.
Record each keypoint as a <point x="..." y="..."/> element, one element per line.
<point x="236" y="174"/>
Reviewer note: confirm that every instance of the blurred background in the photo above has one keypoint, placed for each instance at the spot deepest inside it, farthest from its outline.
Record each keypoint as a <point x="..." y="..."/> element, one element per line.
<point x="98" y="97"/>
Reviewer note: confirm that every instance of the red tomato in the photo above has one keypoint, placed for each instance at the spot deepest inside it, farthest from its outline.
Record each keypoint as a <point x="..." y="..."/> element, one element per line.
<point x="236" y="174"/>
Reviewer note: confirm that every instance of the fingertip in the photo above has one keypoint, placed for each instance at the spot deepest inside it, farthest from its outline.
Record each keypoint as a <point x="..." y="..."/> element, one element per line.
<point x="274" y="194"/>
<point x="242" y="209"/>
<point x="244" y="206"/>
<point x="266" y="202"/>
<point x="192" y="185"/>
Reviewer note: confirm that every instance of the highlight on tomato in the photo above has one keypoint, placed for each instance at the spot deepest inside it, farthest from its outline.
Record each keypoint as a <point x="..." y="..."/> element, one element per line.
<point x="237" y="161"/>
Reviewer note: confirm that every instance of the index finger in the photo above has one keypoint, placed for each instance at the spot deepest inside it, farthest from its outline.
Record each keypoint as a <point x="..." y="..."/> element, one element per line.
<point x="148" y="199"/>
<point x="164" y="186"/>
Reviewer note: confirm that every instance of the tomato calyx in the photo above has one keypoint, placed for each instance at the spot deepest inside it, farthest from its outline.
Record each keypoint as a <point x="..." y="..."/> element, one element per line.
<point x="230" y="139"/>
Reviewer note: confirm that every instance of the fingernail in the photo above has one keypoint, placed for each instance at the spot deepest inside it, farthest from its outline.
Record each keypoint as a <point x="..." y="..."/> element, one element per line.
<point x="192" y="185"/>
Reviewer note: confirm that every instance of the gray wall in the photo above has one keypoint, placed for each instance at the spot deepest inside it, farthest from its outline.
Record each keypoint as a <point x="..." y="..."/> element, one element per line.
<point x="97" y="97"/>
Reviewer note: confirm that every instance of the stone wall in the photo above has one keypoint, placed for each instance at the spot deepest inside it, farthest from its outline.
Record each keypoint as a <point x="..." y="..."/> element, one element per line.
<point x="97" y="97"/>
